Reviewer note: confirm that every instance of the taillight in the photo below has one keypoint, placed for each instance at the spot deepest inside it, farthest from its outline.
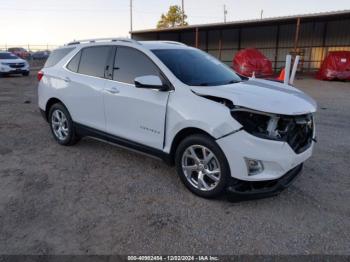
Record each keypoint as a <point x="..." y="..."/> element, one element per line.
<point x="40" y="75"/>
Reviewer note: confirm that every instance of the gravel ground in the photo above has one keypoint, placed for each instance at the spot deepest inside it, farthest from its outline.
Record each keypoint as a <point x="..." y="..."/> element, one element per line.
<point x="95" y="198"/>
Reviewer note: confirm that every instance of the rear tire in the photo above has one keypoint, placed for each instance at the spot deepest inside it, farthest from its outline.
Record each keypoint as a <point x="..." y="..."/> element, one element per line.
<point x="62" y="126"/>
<point x="202" y="166"/>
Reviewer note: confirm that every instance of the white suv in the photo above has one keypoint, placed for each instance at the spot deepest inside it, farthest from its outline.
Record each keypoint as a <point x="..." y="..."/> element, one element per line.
<point x="221" y="130"/>
<point x="12" y="64"/>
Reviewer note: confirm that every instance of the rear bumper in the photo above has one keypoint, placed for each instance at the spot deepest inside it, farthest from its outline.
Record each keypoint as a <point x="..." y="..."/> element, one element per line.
<point x="246" y="190"/>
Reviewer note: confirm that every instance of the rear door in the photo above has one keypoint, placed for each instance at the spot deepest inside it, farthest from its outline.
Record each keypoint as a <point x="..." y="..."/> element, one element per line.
<point x="86" y="80"/>
<point x="132" y="113"/>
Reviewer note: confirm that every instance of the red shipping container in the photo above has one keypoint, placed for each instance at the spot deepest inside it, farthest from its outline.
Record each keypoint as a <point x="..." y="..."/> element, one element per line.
<point x="335" y="66"/>
<point x="252" y="60"/>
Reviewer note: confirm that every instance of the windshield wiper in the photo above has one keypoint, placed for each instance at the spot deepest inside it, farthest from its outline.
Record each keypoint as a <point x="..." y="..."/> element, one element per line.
<point x="233" y="82"/>
<point x="218" y="83"/>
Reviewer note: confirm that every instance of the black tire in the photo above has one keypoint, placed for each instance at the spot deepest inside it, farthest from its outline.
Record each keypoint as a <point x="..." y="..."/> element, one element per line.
<point x="209" y="143"/>
<point x="25" y="73"/>
<point x="71" y="138"/>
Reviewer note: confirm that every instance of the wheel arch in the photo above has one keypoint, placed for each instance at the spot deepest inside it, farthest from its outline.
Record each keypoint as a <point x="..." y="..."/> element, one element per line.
<point x="182" y="134"/>
<point x="50" y="103"/>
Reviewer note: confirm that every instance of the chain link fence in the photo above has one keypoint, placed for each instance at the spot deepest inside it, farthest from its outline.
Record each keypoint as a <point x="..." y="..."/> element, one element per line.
<point x="29" y="47"/>
<point x="30" y="52"/>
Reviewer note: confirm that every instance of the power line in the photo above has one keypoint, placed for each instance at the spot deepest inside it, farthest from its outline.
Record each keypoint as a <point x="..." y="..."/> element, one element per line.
<point x="134" y="9"/>
<point x="62" y="10"/>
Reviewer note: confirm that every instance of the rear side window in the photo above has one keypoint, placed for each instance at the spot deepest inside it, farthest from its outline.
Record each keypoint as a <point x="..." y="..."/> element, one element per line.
<point x="57" y="56"/>
<point x="73" y="65"/>
<point x="93" y="60"/>
<point x="131" y="63"/>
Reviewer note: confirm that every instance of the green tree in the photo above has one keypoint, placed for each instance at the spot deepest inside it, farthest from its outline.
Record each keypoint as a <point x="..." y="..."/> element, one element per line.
<point x="174" y="17"/>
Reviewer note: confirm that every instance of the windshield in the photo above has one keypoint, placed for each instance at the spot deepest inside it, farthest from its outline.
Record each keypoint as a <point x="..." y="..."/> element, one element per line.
<point x="8" y="56"/>
<point x="196" y="68"/>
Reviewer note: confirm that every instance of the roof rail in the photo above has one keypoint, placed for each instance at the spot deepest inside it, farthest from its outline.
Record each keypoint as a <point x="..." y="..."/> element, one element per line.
<point x="111" y="39"/>
<point x="173" y="42"/>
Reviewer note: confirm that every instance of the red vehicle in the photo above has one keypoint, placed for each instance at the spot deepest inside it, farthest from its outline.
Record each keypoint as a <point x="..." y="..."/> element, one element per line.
<point x="249" y="61"/>
<point x="336" y="66"/>
<point x="20" y="52"/>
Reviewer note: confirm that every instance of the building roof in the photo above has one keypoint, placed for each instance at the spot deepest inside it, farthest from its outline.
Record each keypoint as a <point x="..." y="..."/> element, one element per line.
<point x="322" y="15"/>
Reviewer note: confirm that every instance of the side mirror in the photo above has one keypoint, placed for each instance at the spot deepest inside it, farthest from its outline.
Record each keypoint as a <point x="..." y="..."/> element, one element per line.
<point x="151" y="82"/>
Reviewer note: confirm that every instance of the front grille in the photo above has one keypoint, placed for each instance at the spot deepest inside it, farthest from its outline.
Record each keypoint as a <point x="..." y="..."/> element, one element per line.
<point x="297" y="131"/>
<point x="16" y="65"/>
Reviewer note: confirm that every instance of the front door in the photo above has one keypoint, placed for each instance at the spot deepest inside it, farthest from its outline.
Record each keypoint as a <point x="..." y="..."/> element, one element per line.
<point x="132" y="113"/>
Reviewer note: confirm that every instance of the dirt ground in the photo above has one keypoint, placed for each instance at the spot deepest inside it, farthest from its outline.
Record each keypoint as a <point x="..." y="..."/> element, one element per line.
<point x="95" y="198"/>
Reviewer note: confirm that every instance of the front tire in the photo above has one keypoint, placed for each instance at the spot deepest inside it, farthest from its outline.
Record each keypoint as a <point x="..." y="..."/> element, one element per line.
<point x="25" y="73"/>
<point x="202" y="166"/>
<point x="62" y="126"/>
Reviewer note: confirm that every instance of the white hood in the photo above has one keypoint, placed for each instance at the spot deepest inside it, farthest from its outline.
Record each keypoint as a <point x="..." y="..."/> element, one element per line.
<point x="12" y="61"/>
<point x="263" y="95"/>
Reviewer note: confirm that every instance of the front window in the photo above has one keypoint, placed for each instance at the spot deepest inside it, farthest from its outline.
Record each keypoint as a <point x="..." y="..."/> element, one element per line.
<point x="8" y="56"/>
<point x="196" y="68"/>
<point x="131" y="63"/>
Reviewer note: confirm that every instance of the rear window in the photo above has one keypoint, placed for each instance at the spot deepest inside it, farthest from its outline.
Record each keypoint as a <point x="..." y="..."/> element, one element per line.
<point x="56" y="56"/>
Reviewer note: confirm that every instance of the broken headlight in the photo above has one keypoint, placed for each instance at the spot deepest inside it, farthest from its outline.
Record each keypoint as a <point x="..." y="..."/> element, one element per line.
<point x="259" y="124"/>
<point x="297" y="131"/>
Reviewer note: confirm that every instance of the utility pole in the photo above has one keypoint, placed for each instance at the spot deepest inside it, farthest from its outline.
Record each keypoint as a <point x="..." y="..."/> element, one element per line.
<point x="183" y="12"/>
<point x="225" y="13"/>
<point x="261" y="13"/>
<point x="130" y="17"/>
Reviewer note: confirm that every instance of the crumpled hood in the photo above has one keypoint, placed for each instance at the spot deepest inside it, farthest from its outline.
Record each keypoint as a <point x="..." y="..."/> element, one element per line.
<point x="263" y="95"/>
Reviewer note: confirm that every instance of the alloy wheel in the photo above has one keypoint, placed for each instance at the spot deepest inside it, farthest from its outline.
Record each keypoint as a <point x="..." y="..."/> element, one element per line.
<point x="201" y="167"/>
<point x="59" y="124"/>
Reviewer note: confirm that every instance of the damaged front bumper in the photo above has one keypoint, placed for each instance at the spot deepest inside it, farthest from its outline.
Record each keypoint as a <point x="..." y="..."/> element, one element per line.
<point x="239" y="190"/>
<point x="271" y="166"/>
<point x="276" y="157"/>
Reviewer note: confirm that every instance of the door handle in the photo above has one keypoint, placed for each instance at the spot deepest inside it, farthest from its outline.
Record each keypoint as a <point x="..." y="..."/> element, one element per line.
<point x="112" y="90"/>
<point x="67" y="79"/>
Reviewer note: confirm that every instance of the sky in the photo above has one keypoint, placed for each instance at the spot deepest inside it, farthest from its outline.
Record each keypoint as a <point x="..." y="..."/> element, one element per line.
<point x="56" y="22"/>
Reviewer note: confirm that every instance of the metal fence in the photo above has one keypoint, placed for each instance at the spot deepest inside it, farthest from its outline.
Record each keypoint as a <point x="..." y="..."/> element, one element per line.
<point x="34" y="63"/>
<point x="29" y="47"/>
